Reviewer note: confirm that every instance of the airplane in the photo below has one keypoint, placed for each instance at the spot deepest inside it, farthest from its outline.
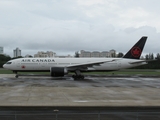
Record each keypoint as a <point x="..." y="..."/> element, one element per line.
<point x="58" y="67"/>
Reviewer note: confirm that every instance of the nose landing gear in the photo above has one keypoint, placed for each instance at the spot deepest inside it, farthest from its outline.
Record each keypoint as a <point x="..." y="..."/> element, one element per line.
<point x="16" y="76"/>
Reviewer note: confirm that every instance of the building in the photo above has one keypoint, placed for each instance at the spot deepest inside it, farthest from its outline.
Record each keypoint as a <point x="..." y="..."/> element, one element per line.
<point x="1" y="50"/>
<point x="85" y="54"/>
<point x="51" y="54"/>
<point x="16" y="52"/>
<point x="105" y="54"/>
<point x="111" y="53"/>
<point x="28" y="56"/>
<point x="45" y="54"/>
<point x="64" y="56"/>
<point x="95" y="54"/>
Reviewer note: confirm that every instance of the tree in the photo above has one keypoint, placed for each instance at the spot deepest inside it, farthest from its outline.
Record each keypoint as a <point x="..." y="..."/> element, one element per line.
<point x="17" y="57"/>
<point x="120" y="55"/>
<point x="151" y="56"/>
<point x="158" y="56"/>
<point x="147" y="57"/>
<point x="76" y="54"/>
<point x="30" y="56"/>
<point x="4" y="59"/>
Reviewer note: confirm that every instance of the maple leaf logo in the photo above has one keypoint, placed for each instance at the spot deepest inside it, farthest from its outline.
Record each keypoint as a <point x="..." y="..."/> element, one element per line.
<point x="136" y="52"/>
<point x="23" y="66"/>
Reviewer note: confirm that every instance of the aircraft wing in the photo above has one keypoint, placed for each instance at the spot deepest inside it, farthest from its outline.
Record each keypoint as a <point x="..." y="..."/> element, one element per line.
<point x="88" y="64"/>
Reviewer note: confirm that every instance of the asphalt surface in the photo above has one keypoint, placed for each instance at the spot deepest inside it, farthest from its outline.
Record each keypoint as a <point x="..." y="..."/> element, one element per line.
<point x="92" y="91"/>
<point x="97" y="98"/>
<point x="89" y="81"/>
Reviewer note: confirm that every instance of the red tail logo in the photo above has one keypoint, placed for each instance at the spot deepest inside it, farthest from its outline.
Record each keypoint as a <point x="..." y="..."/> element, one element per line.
<point x="136" y="52"/>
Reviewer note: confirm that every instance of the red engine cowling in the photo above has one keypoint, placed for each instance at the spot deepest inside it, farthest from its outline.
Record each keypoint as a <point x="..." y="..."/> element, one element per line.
<point x="58" y="71"/>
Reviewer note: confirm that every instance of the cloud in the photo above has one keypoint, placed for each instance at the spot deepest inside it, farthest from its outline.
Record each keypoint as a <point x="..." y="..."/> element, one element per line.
<point x="68" y="26"/>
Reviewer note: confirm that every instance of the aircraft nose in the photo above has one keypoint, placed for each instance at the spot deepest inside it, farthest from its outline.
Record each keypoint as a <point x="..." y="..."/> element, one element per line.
<point x="4" y="66"/>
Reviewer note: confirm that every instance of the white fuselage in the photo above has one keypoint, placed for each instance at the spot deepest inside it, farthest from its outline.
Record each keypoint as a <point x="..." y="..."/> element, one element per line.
<point x="44" y="64"/>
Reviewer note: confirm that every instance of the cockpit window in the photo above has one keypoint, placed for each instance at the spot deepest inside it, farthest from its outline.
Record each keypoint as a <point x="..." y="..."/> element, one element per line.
<point x="9" y="63"/>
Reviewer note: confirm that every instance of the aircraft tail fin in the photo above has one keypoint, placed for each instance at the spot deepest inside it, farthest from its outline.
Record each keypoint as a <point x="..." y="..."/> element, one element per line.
<point x="136" y="50"/>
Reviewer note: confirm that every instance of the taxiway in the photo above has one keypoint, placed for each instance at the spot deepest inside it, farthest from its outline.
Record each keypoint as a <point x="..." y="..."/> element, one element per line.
<point x="92" y="91"/>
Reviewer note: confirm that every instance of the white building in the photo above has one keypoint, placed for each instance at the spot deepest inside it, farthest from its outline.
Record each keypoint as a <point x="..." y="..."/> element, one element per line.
<point x="1" y="50"/>
<point x="111" y="53"/>
<point x="28" y="56"/>
<point x="95" y="54"/>
<point x="51" y="54"/>
<point x="64" y="56"/>
<point x="16" y="52"/>
<point x="85" y="54"/>
<point x="45" y="54"/>
<point x="105" y="54"/>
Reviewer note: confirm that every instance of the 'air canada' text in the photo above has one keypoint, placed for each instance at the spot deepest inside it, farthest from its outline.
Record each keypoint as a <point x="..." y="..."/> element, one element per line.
<point x="38" y="60"/>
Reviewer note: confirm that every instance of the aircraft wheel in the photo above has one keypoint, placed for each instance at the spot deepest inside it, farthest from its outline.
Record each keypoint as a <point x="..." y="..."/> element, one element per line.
<point x="78" y="77"/>
<point x="82" y="77"/>
<point x="16" y="76"/>
<point x="74" y="77"/>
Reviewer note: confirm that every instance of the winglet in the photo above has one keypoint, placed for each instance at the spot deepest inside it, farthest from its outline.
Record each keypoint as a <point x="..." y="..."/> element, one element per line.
<point x="136" y="50"/>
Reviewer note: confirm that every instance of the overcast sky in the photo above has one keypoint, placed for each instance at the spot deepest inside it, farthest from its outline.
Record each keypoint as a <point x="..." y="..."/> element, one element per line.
<point x="66" y="26"/>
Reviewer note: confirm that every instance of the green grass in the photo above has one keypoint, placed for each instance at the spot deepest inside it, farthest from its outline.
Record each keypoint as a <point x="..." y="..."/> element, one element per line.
<point x="5" y="71"/>
<point x="126" y="73"/>
<point x="121" y="72"/>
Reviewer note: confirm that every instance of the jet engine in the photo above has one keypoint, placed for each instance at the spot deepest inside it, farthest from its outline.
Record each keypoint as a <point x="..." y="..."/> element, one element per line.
<point x="58" y="71"/>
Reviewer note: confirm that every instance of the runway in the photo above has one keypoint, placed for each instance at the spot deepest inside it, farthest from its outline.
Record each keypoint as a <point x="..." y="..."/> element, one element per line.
<point x="115" y="97"/>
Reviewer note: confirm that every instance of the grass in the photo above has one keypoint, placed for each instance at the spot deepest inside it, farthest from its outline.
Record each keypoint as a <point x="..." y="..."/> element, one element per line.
<point x="4" y="71"/>
<point x="121" y="72"/>
<point x="130" y="72"/>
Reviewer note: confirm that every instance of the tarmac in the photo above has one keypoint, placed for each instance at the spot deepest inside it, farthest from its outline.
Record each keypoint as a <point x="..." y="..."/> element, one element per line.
<point x="39" y="91"/>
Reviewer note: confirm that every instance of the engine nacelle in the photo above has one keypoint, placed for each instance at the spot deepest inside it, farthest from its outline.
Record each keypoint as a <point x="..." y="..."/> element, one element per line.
<point x="58" y="71"/>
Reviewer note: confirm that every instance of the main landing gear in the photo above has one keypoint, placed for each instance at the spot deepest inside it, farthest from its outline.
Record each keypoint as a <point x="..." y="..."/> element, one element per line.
<point x="78" y="75"/>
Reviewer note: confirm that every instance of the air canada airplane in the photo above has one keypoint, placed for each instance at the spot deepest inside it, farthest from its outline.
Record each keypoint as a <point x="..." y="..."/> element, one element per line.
<point x="59" y="67"/>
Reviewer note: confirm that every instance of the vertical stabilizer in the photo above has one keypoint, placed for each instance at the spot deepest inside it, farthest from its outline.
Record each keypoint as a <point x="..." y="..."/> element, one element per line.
<point x="136" y="50"/>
